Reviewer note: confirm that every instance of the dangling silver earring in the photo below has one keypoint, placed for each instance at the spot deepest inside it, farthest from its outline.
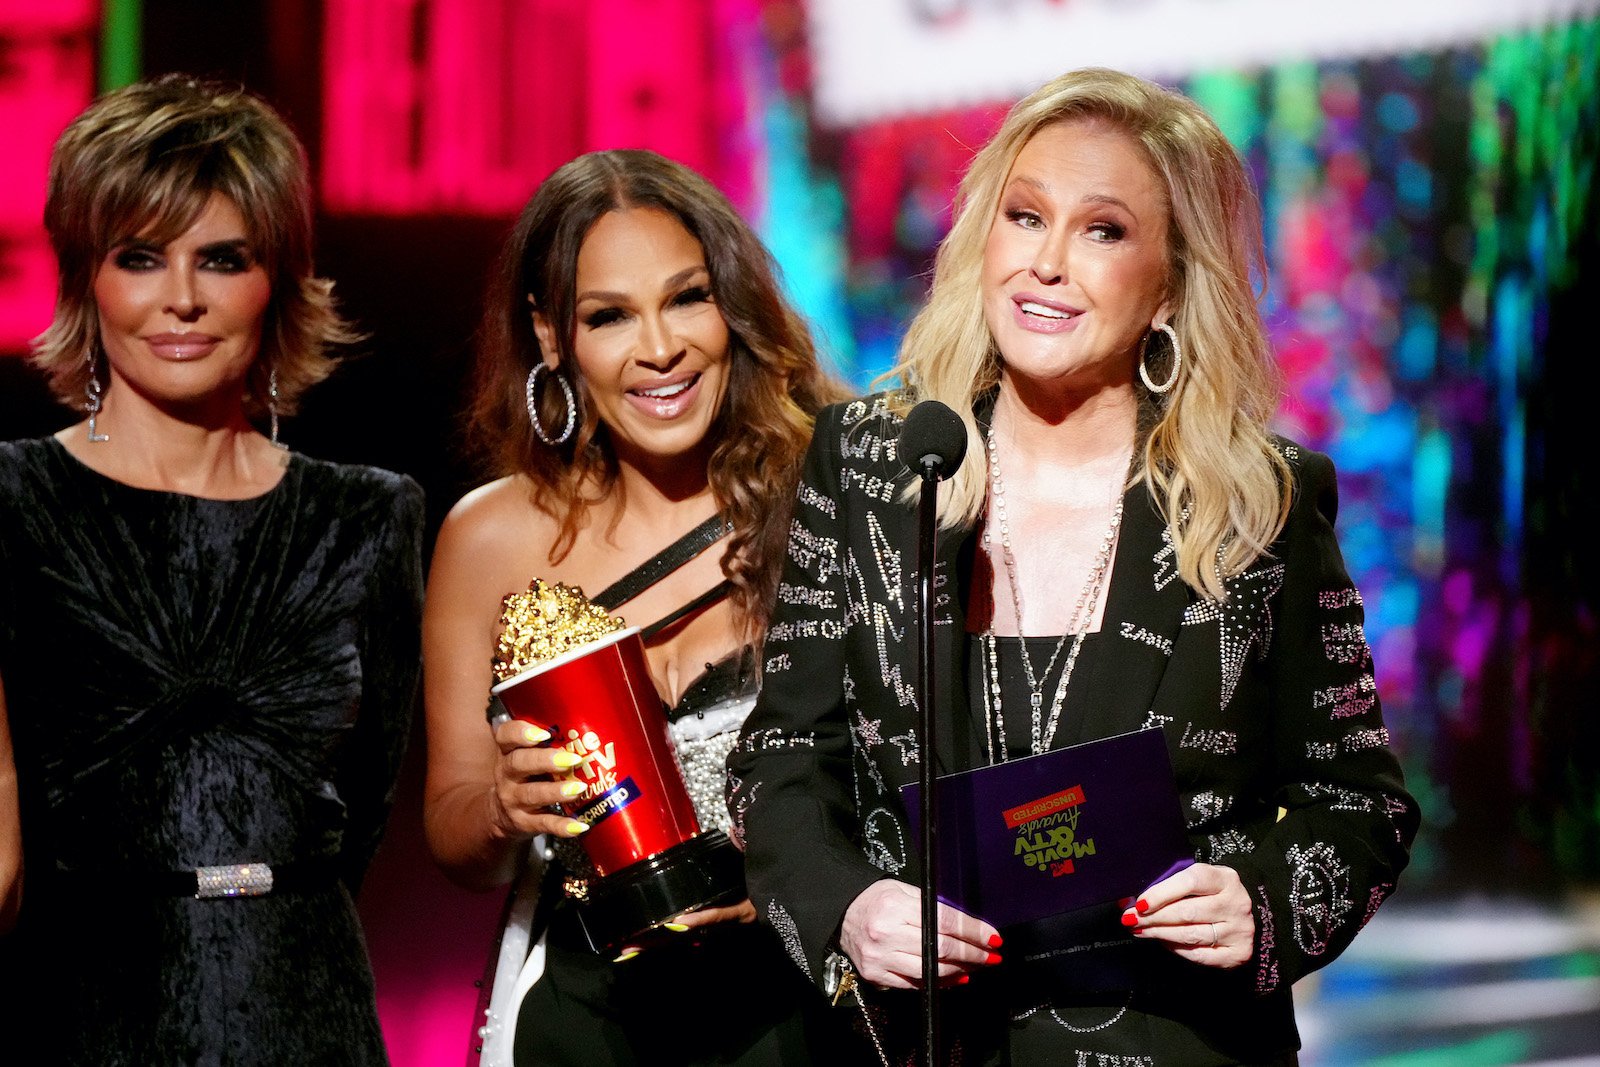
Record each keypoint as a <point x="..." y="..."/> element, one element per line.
<point x="272" y="409"/>
<point x="1177" y="360"/>
<point x="533" y="406"/>
<point x="92" y="391"/>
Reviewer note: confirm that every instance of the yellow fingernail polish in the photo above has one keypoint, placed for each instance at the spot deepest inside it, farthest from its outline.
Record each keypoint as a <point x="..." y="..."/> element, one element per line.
<point x="626" y="956"/>
<point x="574" y="828"/>
<point x="572" y="789"/>
<point x="533" y="735"/>
<point x="676" y="928"/>
<point x="565" y="760"/>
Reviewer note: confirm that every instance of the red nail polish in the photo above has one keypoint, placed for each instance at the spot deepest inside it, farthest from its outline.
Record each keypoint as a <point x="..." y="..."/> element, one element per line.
<point x="1129" y="920"/>
<point x="992" y="958"/>
<point x="1142" y="906"/>
<point x="964" y="979"/>
<point x="994" y="941"/>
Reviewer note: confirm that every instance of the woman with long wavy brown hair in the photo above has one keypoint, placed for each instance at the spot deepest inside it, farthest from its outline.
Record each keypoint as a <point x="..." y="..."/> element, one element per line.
<point x="640" y="374"/>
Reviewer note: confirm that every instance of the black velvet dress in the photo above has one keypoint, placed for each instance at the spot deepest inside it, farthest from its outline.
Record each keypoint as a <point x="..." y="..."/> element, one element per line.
<point x="196" y="682"/>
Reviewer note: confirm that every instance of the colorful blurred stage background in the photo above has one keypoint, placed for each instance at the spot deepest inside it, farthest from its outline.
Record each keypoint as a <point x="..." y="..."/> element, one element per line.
<point x="1428" y="171"/>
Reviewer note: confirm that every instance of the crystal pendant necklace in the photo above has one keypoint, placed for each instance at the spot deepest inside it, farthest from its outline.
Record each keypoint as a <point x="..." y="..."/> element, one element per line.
<point x="1042" y="730"/>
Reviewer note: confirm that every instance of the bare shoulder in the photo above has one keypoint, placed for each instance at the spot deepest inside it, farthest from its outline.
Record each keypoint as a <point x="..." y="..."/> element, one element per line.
<point x="496" y="532"/>
<point x="498" y="514"/>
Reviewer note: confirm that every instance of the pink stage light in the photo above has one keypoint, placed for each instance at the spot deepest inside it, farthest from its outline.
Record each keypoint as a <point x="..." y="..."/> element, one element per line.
<point x="46" y="79"/>
<point x="462" y="108"/>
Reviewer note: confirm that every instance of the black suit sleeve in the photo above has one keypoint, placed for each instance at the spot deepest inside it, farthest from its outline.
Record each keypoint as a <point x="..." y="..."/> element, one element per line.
<point x="1323" y="868"/>
<point x="790" y="775"/>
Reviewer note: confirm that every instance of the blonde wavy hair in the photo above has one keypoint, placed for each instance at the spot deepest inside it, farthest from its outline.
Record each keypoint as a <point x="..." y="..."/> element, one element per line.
<point x="776" y="384"/>
<point x="1208" y="458"/>
<point x="143" y="161"/>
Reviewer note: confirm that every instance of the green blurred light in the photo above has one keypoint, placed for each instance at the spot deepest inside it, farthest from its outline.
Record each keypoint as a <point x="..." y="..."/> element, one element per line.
<point x="1580" y="965"/>
<point x="1491" y="1050"/>
<point x="121" y="43"/>
<point x="1297" y="108"/>
<point x="1230" y="97"/>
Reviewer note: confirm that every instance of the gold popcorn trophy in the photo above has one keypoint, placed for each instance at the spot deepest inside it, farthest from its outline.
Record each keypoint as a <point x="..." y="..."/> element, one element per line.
<point x="565" y="665"/>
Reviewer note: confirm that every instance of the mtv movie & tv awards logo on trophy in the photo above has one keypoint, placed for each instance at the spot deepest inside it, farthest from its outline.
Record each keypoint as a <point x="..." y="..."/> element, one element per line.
<point x="1047" y="832"/>
<point x="548" y="621"/>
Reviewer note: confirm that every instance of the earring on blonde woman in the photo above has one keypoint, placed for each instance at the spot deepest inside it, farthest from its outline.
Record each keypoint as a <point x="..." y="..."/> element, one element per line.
<point x="93" y="391"/>
<point x="1177" y="360"/>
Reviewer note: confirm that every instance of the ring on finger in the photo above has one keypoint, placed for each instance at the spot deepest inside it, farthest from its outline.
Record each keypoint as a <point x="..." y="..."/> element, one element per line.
<point x="1213" y="934"/>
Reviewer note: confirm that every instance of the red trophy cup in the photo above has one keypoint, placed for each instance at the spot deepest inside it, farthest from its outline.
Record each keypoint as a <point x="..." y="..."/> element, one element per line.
<point x="590" y="687"/>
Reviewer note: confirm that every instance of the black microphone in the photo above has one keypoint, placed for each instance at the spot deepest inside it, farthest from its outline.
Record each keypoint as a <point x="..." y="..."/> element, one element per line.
<point x="933" y="442"/>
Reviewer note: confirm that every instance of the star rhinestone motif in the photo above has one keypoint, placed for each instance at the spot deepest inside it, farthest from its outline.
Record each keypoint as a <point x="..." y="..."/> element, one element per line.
<point x="1154" y="721"/>
<point x="868" y="731"/>
<point x="1244" y="618"/>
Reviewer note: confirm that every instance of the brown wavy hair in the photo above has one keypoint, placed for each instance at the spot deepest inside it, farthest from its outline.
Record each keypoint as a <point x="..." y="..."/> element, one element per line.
<point x="143" y="161"/>
<point x="776" y="384"/>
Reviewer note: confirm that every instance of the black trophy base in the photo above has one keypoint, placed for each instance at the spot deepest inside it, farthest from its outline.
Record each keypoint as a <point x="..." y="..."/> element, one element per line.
<point x="627" y="907"/>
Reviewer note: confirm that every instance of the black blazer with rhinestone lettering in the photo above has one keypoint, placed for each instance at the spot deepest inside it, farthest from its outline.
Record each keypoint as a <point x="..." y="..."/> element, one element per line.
<point x="1267" y="701"/>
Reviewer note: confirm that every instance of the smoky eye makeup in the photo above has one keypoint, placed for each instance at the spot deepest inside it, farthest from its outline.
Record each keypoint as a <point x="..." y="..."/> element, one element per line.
<point x="230" y="257"/>
<point x="224" y="257"/>
<point x="601" y="316"/>
<point x="694" y="294"/>
<point x="1022" y="216"/>
<point x="134" y="256"/>
<point x="1106" y="231"/>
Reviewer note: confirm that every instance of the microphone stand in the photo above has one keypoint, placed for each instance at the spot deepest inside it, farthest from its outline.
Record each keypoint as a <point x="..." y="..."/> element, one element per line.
<point x="934" y="435"/>
<point x="927" y="514"/>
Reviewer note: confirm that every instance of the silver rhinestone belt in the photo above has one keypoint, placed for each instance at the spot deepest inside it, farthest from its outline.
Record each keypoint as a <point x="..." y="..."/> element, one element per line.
<point x="214" y="883"/>
<point x="233" y="880"/>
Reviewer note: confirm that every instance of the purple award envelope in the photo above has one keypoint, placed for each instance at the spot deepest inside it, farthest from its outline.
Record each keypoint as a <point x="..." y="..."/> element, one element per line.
<point x="1057" y="832"/>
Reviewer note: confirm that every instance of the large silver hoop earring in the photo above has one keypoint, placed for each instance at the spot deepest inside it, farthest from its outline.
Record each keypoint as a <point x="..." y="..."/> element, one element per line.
<point x="272" y="409"/>
<point x="93" y="391"/>
<point x="1177" y="360"/>
<point x="539" y="431"/>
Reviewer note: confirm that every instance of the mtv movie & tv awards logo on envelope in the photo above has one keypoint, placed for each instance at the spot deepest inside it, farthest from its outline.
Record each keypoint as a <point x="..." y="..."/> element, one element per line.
<point x="1047" y="831"/>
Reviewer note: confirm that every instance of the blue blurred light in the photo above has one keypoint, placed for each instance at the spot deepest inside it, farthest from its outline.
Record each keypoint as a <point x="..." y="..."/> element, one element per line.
<point x="1397" y="112"/>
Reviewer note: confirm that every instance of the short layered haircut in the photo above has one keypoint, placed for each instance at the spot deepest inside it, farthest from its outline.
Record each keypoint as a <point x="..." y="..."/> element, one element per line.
<point x="143" y="162"/>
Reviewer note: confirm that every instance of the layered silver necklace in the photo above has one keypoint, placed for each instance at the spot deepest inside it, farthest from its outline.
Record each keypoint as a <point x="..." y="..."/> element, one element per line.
<point x="1042" y="731"/>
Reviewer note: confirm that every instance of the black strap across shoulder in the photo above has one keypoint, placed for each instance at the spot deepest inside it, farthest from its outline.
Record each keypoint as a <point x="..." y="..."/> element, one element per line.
<point x="715" y="593"/>
<point x="664" y="563"/>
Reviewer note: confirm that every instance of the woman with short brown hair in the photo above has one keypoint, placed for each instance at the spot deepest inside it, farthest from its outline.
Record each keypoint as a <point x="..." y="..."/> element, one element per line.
<point x="209" y="643"/>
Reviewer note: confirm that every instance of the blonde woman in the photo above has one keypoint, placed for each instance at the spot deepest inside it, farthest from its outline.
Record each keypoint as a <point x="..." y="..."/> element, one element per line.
<point x="1126" y="547"/>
